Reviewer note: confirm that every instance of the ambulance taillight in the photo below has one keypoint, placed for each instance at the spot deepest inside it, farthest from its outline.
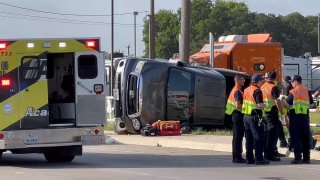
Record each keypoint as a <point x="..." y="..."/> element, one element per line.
<point x="2" y="135"/>
<point x="91" y="44"/>
<point x="5" y="82"/>
<point x="3" y="45"/>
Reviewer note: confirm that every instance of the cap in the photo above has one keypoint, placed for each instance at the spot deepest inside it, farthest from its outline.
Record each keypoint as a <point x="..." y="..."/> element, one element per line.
<point x="239" y="76"/>
<point x="287" y="78"/>
<point x="271" y="75"/>
<point x="296" y="78"/>
<point x="257" y="77"/>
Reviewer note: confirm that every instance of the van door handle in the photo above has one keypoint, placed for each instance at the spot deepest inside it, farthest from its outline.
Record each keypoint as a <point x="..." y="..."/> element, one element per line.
<point x="27" y="90"/>
<point x="84" y="87"/>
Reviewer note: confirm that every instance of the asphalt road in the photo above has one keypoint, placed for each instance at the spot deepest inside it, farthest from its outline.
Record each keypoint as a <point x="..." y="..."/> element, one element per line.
<point x="118" y="162"/>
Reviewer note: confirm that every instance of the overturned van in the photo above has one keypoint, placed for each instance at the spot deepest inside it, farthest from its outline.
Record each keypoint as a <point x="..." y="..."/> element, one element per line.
<point x="147" y="91"/>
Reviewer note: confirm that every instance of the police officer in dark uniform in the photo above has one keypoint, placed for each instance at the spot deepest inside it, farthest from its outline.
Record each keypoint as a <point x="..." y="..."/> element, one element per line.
<point x="271" y="94"/>
<point x="300" y="100"/>
<point x="252" y="110"/>
<point x="288" y="86"/>
<point x="234" y="108"/>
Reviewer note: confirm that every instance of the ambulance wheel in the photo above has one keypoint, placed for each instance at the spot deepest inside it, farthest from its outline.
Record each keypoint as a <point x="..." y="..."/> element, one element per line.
<point x="54" y="158"/>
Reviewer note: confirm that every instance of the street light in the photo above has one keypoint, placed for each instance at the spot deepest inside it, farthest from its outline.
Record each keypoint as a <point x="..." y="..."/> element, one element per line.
<point x="135" y="33"/>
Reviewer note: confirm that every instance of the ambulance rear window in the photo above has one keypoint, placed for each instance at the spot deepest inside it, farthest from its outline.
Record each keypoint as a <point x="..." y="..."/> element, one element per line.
<point x="87" y="67"/>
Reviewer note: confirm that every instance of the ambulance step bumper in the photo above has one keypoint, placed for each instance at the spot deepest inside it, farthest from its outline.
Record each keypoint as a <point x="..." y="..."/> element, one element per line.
<point x="20" y="139"/>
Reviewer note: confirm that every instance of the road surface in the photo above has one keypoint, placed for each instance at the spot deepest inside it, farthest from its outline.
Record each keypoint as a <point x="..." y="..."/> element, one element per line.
<point x="132" y="162"/>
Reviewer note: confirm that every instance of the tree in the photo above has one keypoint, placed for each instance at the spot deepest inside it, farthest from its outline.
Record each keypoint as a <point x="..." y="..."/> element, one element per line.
<point x="200" y="23"/>
<point x="296" y="33"/>
<point x="229" y="17"/>
<point x="167" y="34"/>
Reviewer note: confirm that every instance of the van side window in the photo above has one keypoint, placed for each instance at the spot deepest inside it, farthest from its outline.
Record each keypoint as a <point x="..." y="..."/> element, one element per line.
<point x="180" y="95"/>
<point x="30" y="66"/>
<point x="87" y="67"/>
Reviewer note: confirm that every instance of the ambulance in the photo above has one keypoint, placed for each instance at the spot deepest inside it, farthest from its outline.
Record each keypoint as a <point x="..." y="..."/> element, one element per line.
<point x="52" y="96"/>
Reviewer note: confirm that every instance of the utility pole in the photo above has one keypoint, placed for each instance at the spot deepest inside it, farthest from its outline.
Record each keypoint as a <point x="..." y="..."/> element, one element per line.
<point x="135" y="34"/>
<point x="185" y="30"/>
<point x="128" y="47"/>
<point x="319" y="33"/>
<point x="211" y="42"/>
<point x="151" y="32"/>
<point x="112" y="44"/>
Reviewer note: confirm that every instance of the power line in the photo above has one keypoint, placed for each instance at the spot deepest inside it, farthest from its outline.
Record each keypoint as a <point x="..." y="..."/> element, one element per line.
<point x="64" y="20"/>
<point x="65" y="14"/>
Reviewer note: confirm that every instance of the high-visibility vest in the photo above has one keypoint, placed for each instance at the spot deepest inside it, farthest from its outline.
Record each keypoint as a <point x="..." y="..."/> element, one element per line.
<point x="249" y="103"/>
<point x="268" y="99"/>
<point x="301" y="102"/>
<point x="231" y="103"/>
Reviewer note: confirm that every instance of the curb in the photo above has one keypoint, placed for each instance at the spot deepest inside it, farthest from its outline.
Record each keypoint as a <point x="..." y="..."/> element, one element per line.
<point x="173" y="142"/>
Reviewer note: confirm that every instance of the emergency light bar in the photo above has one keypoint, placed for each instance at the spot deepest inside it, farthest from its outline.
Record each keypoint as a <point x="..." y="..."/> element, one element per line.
<point x="62" y="44"/>
<point x="30" y="45"/>
<point x="3" y="45"/>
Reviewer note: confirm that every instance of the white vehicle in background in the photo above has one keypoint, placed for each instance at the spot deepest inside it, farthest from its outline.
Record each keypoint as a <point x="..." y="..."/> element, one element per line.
<point x="298" y="66"/>
<point x="315" y="73"/>
<point x="175" y="58"/>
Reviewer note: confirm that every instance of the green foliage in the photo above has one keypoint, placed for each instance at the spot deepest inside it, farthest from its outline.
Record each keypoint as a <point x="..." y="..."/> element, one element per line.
<point x="166" y="30"/>
<point x="296" y="33"/>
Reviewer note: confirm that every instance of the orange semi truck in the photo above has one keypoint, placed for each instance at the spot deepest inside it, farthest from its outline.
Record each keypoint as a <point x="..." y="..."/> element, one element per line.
<point x="254" y="53"/>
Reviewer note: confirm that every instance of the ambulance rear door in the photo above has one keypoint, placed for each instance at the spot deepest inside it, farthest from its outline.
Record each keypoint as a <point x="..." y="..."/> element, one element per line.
<point x="90" y="88"/>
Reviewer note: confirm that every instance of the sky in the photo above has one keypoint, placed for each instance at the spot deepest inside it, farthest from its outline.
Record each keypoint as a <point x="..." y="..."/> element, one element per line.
<point x="18" y="22"/>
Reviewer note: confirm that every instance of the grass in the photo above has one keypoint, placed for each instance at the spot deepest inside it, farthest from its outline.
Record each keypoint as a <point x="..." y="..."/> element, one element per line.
<point x="109" y="126"/>
<point x="216" y="132"/>
<point x="314" y="118"/>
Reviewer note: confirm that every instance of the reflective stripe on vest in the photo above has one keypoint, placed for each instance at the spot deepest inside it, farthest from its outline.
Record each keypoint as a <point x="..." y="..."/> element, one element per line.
<point x="231" y="103"/>
<point x="249" y="103"/>
<point x="301" y="102"/>
<point x="268" y="99"/>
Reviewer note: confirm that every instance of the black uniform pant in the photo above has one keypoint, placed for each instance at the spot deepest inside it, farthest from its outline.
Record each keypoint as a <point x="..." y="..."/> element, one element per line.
<point x="299" y="130"/>
<point x="238" y="134"/>
<point x="272" y="134"/>
<point x="282" y="137"/>
<point x="254" y="137"/>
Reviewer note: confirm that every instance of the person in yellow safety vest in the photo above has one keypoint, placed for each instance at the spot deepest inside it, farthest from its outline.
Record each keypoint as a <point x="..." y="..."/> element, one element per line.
<point x="233" y="108"/>
<point x="271" y="93"/>
<point x="252" y="110"/>
<point x="300" y="100"/>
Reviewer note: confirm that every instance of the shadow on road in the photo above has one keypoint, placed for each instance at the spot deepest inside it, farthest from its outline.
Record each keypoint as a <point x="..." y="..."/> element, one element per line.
<point x="131" y="160"/>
